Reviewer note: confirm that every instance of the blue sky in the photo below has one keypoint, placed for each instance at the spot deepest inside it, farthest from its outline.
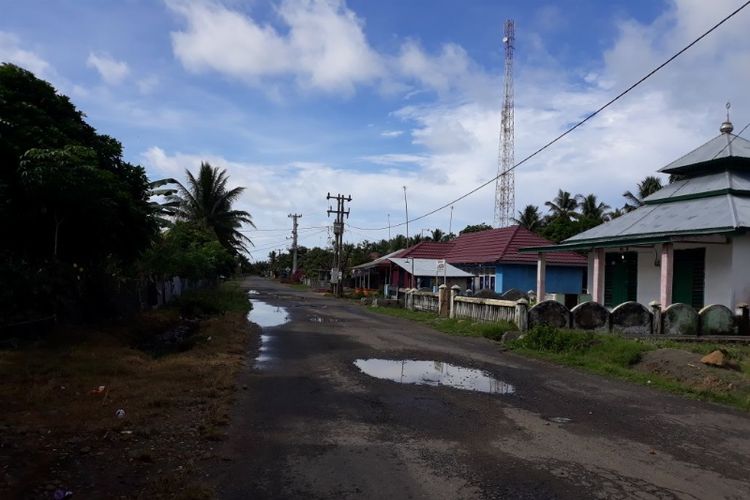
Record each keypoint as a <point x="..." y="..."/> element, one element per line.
<point x="300" y="97"/>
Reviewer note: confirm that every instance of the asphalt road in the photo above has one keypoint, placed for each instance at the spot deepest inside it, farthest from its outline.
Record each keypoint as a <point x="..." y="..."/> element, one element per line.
<point x="310" y="424"/>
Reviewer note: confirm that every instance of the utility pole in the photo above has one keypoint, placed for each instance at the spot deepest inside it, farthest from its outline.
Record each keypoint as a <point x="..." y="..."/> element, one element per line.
<point x="294" y="218"/>
<point x="338" y="232"/>
<point x="450" y="224"/>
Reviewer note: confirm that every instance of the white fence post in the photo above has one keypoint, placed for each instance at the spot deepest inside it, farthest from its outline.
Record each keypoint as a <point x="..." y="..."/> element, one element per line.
<point x="454" y="292"/>
<point x="522" y="319"/>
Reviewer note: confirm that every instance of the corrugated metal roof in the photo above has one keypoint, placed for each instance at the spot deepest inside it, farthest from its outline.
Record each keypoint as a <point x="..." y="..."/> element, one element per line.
<point x="735" y="180"/>
<point x="428" y="267"/>
<point x="379" y="260"/>
<point x="715" y="149"/>
<point x="697" y="215"/>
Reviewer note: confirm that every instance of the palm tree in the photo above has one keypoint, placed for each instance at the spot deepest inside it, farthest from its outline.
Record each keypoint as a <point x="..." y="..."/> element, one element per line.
<point x="563" y="206"/>
<point x="646" y="187"/>
<point x="207" y="201"/>
<point x="591" y="208"/>
<point x="617" y="212"/>
<point x="529" y="217"/>
<point x="437" y="235"/>
<point x="162" y="211"/>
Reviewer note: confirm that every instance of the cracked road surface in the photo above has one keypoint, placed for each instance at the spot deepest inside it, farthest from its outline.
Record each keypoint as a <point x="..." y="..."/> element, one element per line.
<point x="310" y="424"/>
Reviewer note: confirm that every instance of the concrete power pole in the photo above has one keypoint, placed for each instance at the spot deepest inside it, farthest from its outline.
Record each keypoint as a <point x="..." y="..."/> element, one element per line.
<point x="338" y="232"/>
<point x="294" y="218"/>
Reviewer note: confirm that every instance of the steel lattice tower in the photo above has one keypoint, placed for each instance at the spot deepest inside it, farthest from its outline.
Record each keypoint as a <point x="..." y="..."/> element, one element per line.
<point x="505" y="189"/>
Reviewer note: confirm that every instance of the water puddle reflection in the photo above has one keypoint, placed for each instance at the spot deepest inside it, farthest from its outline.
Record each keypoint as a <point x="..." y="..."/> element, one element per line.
<point x="433" y="373"/>
<point x="266" y="315"/>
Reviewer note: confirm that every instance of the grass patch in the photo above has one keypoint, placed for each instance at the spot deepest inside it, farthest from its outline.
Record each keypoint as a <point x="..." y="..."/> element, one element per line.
<point x="616" y="356"/>
<point x="176" y="406"/>
<point x="298" y="286"/>
<point x="462" y="327"/>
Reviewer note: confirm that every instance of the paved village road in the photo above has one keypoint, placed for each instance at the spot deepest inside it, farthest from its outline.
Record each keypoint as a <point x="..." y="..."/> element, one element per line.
<point x="310" y="424"/>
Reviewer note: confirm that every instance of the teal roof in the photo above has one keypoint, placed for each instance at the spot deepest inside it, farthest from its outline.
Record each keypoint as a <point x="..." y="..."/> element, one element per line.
<point x="712" y="197"/>
<point x="721" y="147"/>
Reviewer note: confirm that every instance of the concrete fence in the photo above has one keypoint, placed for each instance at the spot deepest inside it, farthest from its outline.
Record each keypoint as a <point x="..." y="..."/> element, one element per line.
<point x="448" y="303"/>
<point x="629" y="318"/>
<point x="422" y="301"/>
<point x="632" y="318"/>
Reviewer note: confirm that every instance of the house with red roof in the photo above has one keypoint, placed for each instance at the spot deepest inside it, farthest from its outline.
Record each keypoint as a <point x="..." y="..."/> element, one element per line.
<point x="491" y="258"/>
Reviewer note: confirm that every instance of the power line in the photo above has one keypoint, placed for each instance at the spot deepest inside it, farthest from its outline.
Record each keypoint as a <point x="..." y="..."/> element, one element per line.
<point x="571" y="129"/>
<point x="280" y="230"/>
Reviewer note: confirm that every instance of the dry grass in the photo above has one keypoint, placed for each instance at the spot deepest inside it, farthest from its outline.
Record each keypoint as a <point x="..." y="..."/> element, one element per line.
<point x="62" y="435"/>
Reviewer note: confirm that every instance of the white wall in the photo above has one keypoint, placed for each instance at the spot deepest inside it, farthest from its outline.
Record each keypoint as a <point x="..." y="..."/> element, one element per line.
<point x="719" y="271"/>
<point x="648" y="275"/>
<point x="740" y="277"/>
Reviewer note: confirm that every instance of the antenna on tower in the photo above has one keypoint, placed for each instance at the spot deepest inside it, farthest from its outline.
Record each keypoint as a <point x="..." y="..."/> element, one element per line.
<point x="505" y="188"/>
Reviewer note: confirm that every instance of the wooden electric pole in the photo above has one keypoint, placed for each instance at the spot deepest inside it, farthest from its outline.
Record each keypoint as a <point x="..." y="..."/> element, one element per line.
<point x="338" y="232"/>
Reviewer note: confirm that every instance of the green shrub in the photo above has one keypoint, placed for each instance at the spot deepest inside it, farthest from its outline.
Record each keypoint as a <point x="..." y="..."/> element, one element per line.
<point x="550" y="339"/>
<point x="212" y="301"/>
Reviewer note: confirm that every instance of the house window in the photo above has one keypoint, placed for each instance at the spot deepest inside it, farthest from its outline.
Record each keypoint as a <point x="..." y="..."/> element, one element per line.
<point x="487" y="278"/>
<point x="689" y="277"/>
<point x="620" y="278"/>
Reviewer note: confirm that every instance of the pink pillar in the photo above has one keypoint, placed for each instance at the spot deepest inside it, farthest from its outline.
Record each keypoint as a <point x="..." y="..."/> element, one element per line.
<point x="541" y="272"/>
<point x="667" y="268"/>
<point x="598" y="276"/>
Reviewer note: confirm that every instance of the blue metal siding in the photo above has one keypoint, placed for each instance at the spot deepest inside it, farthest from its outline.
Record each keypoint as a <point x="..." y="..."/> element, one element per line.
<point x="560" y="279"/>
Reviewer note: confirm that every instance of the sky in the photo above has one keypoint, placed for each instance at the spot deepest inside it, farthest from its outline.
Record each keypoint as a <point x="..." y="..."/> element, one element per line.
<point x="299" y="98"/>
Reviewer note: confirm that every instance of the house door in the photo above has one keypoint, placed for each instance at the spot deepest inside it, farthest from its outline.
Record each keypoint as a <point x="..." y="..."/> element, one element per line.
<point x="689" y="277"/>
<point x="620" y="278"/>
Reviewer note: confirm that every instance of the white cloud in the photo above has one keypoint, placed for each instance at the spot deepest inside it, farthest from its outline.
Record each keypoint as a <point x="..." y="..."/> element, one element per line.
<point x="321" y="44"/>
<point x="10" y="51"/>
<point x="669" y="115"/>
<point x="391" y="133"/>
<point x="111" y="70"/>
<point x="148" y="84"/>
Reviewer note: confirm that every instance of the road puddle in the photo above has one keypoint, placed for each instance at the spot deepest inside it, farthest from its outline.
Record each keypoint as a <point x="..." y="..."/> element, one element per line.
<point x="434" y="373"/>
<point x="266" y="315"/>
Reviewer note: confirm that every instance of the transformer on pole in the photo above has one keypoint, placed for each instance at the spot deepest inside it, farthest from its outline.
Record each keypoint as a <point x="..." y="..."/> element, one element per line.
<point x="505" y="189"/>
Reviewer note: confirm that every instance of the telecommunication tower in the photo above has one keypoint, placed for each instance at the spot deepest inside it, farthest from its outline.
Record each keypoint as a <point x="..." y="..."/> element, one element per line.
<point x="505" y="188"/>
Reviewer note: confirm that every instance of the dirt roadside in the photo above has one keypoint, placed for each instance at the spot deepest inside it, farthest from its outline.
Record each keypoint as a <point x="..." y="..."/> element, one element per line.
<point x="60" y="432"/>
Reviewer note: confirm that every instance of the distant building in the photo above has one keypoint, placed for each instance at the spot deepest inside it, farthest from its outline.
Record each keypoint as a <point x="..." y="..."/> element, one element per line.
<point x="489" y="260"/>
<point x="688" y="243"/>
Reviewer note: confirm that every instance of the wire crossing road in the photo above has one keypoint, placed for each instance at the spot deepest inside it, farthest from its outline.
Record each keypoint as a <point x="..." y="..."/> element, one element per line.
<point x="309" y="424"/>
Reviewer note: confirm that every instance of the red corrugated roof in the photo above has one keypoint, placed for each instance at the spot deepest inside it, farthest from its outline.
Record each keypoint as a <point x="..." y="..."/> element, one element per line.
<point x="501" y="246"/>
<point x="428" y="250"/>
<point x="491" y="246"/>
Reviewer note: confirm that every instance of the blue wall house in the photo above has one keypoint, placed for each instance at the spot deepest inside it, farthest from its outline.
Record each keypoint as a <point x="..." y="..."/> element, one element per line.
<point x="494" y="259"/>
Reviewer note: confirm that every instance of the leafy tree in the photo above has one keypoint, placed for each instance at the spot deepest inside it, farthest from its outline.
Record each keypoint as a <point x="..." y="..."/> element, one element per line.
<point x="529" y="218"/>
<point x="207" y="201"/>
<point x="591" y="207"/>
<point x="67" y="197"/>
<point x="437" y="235"/>
<point x="646" y="187"/>
<point x="190" y="251"/>
<point x="475" y="228"/>
<point x="563" y="206"/>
